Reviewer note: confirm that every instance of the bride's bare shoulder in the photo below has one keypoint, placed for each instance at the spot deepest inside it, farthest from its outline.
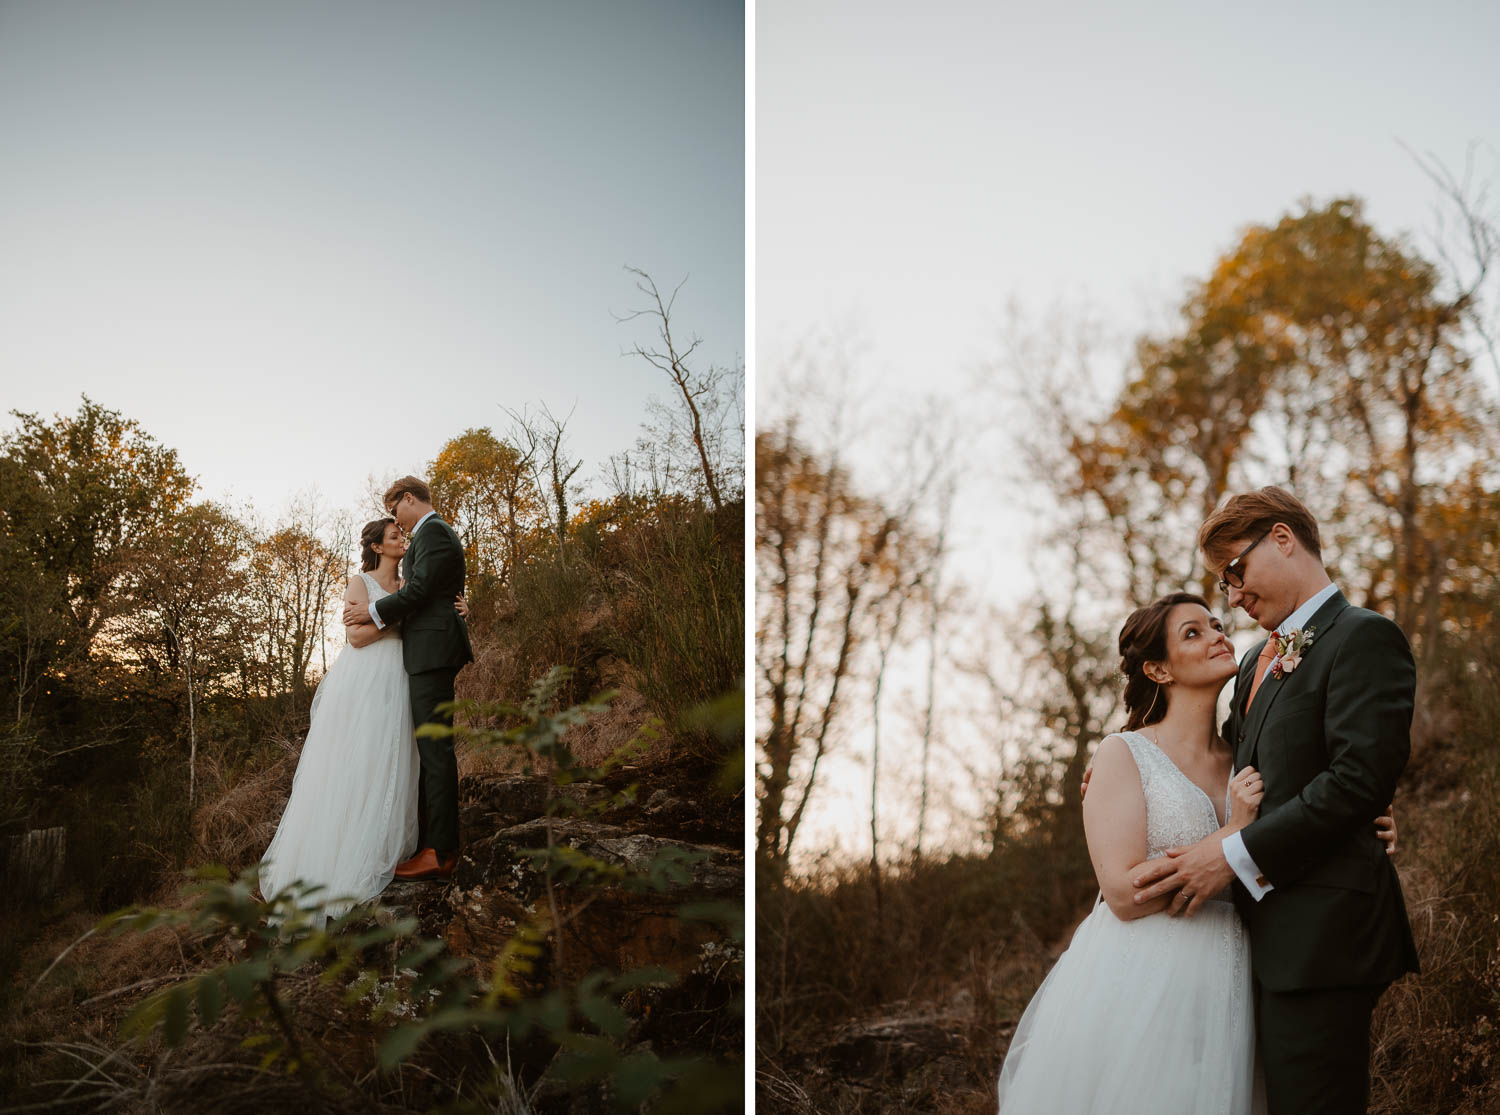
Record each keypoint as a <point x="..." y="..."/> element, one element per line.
<point x="356" y="591"/>
<point x="1113" y="760"/>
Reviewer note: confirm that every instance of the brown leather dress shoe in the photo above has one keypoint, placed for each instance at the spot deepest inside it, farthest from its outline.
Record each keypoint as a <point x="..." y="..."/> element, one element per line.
<point x="427" y="864"/>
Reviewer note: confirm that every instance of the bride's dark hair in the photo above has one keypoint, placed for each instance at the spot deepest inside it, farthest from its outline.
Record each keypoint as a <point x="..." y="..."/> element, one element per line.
<point x="1144" y="639"/>
<point x="371" y="536"/>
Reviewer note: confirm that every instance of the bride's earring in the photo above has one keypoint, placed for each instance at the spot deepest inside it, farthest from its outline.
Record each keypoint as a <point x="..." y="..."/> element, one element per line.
<point x="1147" y="718"/>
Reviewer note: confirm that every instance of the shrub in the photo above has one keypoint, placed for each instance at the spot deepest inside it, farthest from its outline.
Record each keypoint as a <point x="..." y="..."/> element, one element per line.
<point x="679" y="611"/>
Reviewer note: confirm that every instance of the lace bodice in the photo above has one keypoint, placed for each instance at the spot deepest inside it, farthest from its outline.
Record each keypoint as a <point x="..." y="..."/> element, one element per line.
<point x="390" y="634"/>
<point x="1177" y="810"/>
<point x="376" y="592"/>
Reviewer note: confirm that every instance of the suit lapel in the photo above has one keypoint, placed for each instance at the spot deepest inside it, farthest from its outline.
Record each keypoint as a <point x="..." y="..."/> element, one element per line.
<point x="1242" y="683"/>
<point x="411" y="556"/>
<point x="1324" y="618"/>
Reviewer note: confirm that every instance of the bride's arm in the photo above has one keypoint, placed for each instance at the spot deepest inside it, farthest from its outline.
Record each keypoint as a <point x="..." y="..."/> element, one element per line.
<point x="1114" y="820"/>
<point x="359" y="634"/>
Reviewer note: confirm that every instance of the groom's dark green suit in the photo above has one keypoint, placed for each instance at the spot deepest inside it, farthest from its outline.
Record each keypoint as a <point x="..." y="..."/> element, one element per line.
<point x="435" y="646"/>
<point x="1330" y="739"/>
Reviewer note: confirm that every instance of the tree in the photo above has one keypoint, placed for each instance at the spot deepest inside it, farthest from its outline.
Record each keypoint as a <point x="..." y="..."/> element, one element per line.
<point x="821" y="554"/>
<point x="487" y="488"/>
<point x="34" y="625"/>
<point x="552" y="467"/>
<point x="700" y="429"/>
<point x="936" y="606"/>
<point x="79" y="490"/>
<point x="1355" y="388"/>
<point x="1318" y="355"/>
<point x="297" y="573"/>
<point x="187" y="587"/>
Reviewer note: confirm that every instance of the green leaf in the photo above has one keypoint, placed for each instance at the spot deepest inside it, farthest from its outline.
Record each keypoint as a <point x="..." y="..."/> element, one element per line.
<point x="605" y="1015"/>
<point x="587" y="1057"/>
<point x="643" y="977"/>
<point x="401" y="1043"/>
<point x="552" y="1014"/>
<point x="145" y="1016"/>
<point x="175" y="1019"/>
<point x="731" y="915"/>
<point x="242" y="979"/>
<point x="381" y="934"/>
<point x="210" y="997"/>
<point x="636" y="1077"/>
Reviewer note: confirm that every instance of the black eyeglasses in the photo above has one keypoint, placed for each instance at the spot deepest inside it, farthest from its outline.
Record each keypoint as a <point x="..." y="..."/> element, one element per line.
<point x="1232" y="577"/>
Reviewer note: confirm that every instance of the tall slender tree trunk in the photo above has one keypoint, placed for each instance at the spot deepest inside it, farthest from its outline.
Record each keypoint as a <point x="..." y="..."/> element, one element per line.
<point x="191" y="663"/>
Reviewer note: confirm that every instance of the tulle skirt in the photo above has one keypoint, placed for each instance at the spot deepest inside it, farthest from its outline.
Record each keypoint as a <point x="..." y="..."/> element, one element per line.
<point x="352" y="814"/>
<point x="1145" y="1017"/>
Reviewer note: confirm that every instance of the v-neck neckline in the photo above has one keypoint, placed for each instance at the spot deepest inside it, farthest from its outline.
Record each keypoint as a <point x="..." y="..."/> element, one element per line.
<point x="381" y="587"/>
<point x="1222" y="821"/>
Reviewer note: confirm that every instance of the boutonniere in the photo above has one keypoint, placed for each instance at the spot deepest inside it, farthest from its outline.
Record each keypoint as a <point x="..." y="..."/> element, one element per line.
<point x="1289" y="650"/>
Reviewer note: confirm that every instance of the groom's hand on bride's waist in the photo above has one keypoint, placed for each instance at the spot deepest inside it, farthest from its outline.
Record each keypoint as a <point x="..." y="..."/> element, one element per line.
<point x="1196" y="872"/>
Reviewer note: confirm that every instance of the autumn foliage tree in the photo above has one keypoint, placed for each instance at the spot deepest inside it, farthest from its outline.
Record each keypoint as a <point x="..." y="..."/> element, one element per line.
<point x="78" y="491"/>
<point x="188" y="589"/>
<point x="488" y="490"/>
<point x="1322" y="356"/>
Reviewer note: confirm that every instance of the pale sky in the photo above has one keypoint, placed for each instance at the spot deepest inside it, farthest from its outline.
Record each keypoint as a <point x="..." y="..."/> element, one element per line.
<point x="306" y="243"/>
<point x="918" y="166"/>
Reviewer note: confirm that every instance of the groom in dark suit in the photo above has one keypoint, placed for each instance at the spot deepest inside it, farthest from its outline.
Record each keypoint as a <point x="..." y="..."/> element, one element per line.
<point x="1323" y="710"/>
<point x="435" y="646"/>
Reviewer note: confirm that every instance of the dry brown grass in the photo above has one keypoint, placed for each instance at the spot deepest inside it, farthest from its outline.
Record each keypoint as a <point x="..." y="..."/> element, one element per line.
<point x="851" y="992"/>
<point x="968" y="940"/>
<point x="59" y="1034"/>
<point x="235" y="826"/>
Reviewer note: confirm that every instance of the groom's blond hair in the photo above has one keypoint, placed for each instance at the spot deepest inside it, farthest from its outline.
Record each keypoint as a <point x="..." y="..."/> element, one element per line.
<point x="407" y="484"/>
<point x="1246" y="515"/>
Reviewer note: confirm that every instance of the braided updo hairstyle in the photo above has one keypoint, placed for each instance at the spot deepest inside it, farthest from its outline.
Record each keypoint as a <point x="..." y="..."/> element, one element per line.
<point x="1144" y="639"/>
<point x="371" y="536"/>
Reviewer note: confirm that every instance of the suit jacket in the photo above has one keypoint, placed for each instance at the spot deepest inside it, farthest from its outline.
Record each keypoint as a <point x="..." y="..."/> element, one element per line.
<point x="433" y="635"/>
<point x="1330" y="739"/>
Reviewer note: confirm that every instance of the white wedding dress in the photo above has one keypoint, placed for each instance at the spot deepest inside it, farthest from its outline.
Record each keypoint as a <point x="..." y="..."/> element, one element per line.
<point x="352" y="814"/>
<point x="1144" y="1017"/>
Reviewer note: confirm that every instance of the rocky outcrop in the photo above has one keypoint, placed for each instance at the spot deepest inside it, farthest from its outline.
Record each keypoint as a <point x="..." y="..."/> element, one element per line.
<point x="917" y="1059"/>
<point x="605" y="923"/>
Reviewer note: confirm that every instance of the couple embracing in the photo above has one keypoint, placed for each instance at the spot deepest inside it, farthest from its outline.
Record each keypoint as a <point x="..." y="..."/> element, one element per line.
<point x="1249" y="917"/>
<point x="370" y="802"/>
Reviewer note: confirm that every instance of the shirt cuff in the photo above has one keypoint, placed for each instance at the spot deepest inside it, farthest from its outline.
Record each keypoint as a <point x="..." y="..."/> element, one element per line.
<point x="374" y="615"/>
<point x="1244" y="867"/>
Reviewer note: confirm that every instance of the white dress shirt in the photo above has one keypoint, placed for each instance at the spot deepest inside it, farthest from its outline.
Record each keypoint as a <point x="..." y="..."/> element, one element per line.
<point x="374" y="615"/>
<point x="1234" y="844"/>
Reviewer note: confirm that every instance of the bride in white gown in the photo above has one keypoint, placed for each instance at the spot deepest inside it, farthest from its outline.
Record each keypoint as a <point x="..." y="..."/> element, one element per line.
<point x="1144" y="1012"/>
<point x="1148" y="1013"/>
<point x="352" y="814"/>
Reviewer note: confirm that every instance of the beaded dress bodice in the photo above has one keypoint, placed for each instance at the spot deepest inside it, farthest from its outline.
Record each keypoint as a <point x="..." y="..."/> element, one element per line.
<point x="1177" y="810"/>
